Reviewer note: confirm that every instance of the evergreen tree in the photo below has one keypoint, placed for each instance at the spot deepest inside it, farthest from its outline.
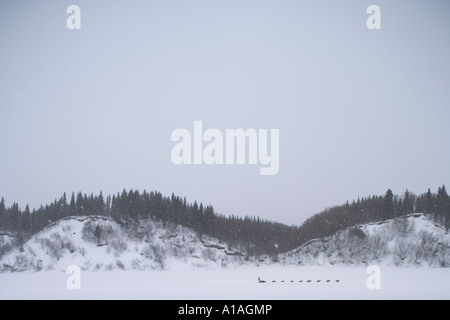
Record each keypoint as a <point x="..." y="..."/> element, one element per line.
<point x="80" y="204"/>
<point x="108" y="205"/>
<point x="25" y="221"/>
<point x="64" y="204"/>
<point x="441" y="203"/>
<point x="2" y="212"/>
<point x="408" y="202"/>
<point x="14" y="217"/>
<point x="388" y="205"/>
<point x="101" y="204"/>
<point x="209" y="221"/>
<point x="443" y="207"/>
<point x="72" y="206"/>
<point x="447" y="215"/>
<point x="429" y="206"/>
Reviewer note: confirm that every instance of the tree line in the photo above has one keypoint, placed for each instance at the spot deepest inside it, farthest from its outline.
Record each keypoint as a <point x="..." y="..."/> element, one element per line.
<point x="253" y="234"/>
<point x="376" y="209"/>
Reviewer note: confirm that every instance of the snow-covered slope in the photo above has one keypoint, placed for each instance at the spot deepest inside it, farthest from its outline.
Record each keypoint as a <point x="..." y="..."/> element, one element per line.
<point x="99" y="243"/>
<point x="410" y="240"/>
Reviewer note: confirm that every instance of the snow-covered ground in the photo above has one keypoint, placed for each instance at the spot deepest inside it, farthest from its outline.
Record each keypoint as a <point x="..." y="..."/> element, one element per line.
<point x="232" y="283"/>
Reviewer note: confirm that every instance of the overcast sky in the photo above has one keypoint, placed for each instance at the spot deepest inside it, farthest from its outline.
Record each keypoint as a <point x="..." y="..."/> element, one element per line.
<point x="359" y="111"/>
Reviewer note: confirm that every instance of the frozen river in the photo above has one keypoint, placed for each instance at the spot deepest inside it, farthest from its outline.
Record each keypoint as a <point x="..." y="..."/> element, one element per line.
<point x="281" y="282"/>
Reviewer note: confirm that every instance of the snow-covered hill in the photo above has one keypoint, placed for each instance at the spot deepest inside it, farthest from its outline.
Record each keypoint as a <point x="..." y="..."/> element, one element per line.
<point x="99" y="243"/>
<point x="405" y="241"/>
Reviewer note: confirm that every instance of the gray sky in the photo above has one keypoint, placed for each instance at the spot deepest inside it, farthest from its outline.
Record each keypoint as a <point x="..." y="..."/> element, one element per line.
<point x="358" y="111"/>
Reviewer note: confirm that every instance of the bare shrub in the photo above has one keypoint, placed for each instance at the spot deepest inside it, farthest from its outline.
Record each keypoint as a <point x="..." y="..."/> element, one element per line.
<point x="5" y="248"/>
<point x="120" y="265"/>
<point x="404" y="226"/>
<point x="108" y="233"/>
<point x="147" y="252"/>
<point x="174" y="251"/>
<point x="98" y="266"/>
<point x="53" y="248"/>
<point x="146" y="231"/>
<point x="82" y="251"/>
<point x="118" y="246"/>
<point x="88" y="232"/>
<point x="109" y="267"/>
<point x="136" y="265"/>
<point x="357" y="232"/>
<point x="21" y="262"/>
<point x="402" y="251"/>
<point x="105" y="232"/>
<point x="156" y="253"/>
<point x="209" y="254"/>
<point x="160" y="254"/>
<point x="377" y="247"/>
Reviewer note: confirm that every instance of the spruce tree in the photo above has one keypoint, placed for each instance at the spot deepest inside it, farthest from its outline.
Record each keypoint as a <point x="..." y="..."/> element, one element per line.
<point x="388" y="204"/>
<point x="429" y="202"/>
<point x="80" y="204"/>
<point x="64" y="203"/>
<point x="441" y="203"/>
<point x="447" y="215"/>
<point x="2" y="213"/>
<point x="101" y="204"/>
<point x="72" y="206"/>
<point x="25" y="223"/>
<point x="408" y="203"/>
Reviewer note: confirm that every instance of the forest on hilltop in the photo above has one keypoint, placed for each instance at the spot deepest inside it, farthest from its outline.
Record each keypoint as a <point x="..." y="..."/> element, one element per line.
<point x="255" y="235"/>
<point x="375" y="209"/>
